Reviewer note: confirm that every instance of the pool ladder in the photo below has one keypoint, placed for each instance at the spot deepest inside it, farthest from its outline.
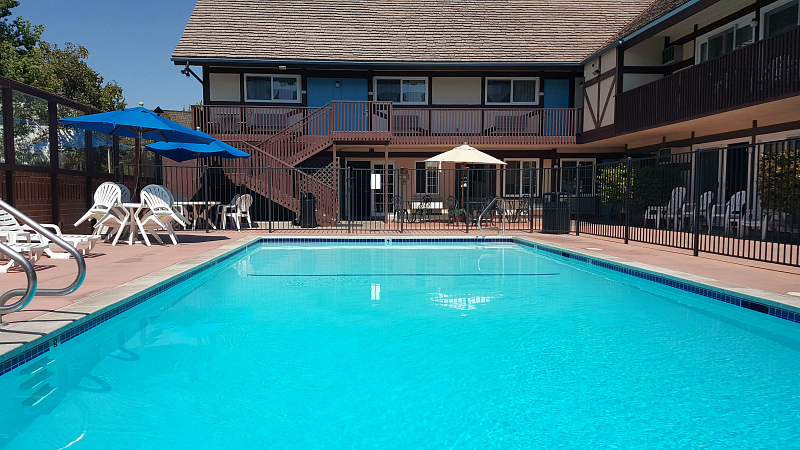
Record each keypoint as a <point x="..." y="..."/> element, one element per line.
<point x="502" y="210"/>
<point x="28" y="293"/>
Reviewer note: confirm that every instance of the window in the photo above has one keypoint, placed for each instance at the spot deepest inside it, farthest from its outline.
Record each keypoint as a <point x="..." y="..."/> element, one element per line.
<point x="272" y="88"/>
<point x="571" y="180"/>
<point x="523" y="91"/>
<point x="426" y="178"/>
<point x="412" y="91"/>
<point x="521" y="178"/>
<point x="782" y="18"/>
<point x="717" y="45"/>
<point x="723" y="41"/>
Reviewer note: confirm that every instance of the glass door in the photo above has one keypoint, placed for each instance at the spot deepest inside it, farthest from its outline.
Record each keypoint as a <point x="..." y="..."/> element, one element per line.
<point x="381" y="183"/>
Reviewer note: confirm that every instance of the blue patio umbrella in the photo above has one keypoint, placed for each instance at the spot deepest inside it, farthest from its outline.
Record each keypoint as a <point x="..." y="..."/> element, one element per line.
<point x="177" y="151"/>
<point x="137" y="123"/>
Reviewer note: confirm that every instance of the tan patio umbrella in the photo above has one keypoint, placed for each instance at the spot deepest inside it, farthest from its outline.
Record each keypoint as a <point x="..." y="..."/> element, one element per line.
<point x="465" y="154"/>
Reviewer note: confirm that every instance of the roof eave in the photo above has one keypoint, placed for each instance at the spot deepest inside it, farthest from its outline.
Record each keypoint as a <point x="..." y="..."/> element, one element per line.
<point x="311" y="63"/>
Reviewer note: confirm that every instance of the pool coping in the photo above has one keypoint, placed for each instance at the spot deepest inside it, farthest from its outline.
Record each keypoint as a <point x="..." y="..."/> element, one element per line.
<point x="21" y="342"/>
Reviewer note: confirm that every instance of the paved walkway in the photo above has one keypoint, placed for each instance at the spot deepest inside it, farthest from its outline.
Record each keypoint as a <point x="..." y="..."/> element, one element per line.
<point x="110" y="266"/>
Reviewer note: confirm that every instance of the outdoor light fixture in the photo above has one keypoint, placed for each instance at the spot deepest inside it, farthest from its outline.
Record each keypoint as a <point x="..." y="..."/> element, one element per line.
<point x="281" y="67"/>
<point x="595" y="72"/>
<point x="337" y="84"/>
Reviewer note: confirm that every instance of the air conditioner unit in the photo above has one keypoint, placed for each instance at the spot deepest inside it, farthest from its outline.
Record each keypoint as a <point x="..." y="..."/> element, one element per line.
<point x="672" y="55"/>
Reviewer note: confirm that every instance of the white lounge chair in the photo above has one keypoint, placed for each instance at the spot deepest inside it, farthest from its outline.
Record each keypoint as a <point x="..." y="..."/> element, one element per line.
<point x="157" y="213"/>
<point x="673" y="210"/>
<point x="240" y="210"/>
<point x="106" y="208"/>
<point x="33" y="251"/>
<point x="733" y="210"/>
<point x="83" y="242"/>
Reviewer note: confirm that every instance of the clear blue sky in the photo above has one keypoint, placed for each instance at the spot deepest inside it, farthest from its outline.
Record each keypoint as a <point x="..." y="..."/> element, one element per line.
<point x="129" y="41"/>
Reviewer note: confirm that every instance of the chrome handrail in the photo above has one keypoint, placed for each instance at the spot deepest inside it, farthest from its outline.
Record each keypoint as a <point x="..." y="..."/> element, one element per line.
<point x="58" y="241"/>
<point x="30" y="291"/>
<point x="502" y="214"/>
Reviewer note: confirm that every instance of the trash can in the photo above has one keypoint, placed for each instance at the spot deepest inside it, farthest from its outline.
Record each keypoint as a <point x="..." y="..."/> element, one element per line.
<point x="308" y="211"/>
<point x="555" y="213"/>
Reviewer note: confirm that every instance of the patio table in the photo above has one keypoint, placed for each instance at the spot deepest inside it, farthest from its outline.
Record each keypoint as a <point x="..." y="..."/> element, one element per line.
<point x="132" y="210"/>
<point x="201" y="210"/>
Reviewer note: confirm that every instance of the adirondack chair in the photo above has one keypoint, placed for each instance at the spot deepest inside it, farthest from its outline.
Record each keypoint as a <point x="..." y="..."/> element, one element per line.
<point x="705" y="201"/>
<point x="673" y="210"/>
<point x="733" y="209"/>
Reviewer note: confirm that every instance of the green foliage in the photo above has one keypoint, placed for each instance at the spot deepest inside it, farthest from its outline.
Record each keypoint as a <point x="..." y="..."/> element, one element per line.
<point x="779" y="181"/>
<point x="650" y="185"/>
<point x="26" y="58"/>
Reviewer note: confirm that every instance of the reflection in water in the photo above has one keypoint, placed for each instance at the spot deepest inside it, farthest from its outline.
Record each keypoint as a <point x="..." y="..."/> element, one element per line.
<point x="459" y="301"/>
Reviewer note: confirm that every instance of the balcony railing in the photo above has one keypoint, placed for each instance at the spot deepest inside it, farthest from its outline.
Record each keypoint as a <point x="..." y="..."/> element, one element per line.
<point x="763" y="71"/>
<point x="409" y="126"/>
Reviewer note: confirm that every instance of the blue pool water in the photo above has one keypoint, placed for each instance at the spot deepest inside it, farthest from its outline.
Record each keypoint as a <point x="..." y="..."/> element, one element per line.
<point x="414" y="347"/>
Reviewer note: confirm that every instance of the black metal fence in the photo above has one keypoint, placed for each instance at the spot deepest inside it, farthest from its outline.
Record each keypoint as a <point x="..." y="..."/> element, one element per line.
<point x="740" y="201"/>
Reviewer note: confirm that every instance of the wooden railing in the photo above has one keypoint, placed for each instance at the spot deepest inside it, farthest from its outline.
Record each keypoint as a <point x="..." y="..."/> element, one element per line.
<point x="763" y="71"/>
<point x="487" y="126"/>
<point x="253" y="122"/>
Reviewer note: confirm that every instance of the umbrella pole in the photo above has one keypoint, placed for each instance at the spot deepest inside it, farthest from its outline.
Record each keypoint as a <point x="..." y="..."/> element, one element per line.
<point x="137" y="159"/>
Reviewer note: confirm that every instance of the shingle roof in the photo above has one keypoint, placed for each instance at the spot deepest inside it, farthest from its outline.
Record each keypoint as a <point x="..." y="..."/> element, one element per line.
<point x="434" y="31"/>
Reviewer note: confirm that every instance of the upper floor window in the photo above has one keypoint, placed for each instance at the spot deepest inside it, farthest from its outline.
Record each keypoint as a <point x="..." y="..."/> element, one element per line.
<point x="272" y="88"/>
<point x="412" y="91"/>
<point x="725" y="41"/>
<point x="502" y="91"/>
<point x="782" y="17"/>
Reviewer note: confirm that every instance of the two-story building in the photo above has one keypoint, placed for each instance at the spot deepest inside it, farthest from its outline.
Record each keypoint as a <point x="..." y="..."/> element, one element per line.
<point x="377" y="85"/>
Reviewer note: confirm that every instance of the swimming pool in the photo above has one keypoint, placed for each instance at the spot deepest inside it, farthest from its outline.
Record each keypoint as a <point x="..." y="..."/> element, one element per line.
<point x="401" y="344"/>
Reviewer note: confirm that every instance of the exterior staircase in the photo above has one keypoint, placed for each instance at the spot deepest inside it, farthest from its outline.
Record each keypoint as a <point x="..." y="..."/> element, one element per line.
<point x="273" y="166"/>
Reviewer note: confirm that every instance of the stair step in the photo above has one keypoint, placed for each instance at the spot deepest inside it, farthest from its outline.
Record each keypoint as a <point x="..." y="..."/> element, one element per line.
<point x="39" y="378"/>
<point x="39" y="395"/>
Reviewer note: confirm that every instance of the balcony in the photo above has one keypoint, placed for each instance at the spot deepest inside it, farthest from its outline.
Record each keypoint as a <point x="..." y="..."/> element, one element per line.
<point x="767" y="70"/>
<point x="365" y="121"/>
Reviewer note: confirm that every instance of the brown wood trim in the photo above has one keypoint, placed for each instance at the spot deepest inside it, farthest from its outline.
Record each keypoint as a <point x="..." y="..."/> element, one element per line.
<point x="589" y="106"/>
<point x="611" y="91"/>
<point x="601" y="77"/>
<point x="597" y="134"/>
<point x="743" y="133"/>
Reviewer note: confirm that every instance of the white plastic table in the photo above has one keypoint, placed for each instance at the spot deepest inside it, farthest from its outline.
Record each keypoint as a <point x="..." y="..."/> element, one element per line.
<point x="201" y="210"/>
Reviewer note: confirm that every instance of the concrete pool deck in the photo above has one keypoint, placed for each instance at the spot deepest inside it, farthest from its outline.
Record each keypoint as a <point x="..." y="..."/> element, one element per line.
<point x="115" y="273"/>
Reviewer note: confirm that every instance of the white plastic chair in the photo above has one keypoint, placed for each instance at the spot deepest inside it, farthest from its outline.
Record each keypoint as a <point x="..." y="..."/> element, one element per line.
<point x="240" y="210"/>
<point x="83" y="242"/>
<point x="157" y="213"/>
<point x="126" y="193"/>
<point x="107" y="199"/>
<point x="183" y="210"/>
<point x="673" y="210"/>
<point x="223" y="209"/>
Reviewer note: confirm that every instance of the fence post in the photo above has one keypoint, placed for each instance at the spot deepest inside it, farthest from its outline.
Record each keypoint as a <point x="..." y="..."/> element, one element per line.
<point x="627" y="199"/>
<point x="347" y="187"/>
<point x="269" y="195"/>
<point x="205" y="194"/>
<point x="402" y="202"/>
<point x="578" y="195"/>
<point x="465" y="190"/>
<point x="696" y="200"/>
<point x="539" y="175"/>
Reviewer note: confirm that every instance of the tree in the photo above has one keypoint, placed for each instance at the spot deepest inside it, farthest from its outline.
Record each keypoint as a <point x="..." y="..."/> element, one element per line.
<point x="26" y="58"/>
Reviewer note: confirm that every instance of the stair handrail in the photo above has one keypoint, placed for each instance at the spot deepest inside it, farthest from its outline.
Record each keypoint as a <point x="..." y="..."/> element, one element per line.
<point x="30" y="273"/>
<point x="72" y="287"/>
<point x="502" y="214"/>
